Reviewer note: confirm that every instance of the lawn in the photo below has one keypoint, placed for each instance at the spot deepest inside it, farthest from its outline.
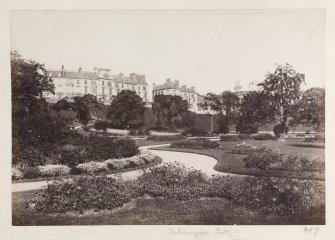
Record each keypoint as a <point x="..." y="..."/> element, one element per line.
<point x="233" y="163"/>
<point x="153" y="211"/>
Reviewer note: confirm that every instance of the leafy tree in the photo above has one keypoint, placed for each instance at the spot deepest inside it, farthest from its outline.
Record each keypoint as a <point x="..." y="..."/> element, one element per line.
<point x="169" y="110"/>
<point x="283" y="91"/>
<point x="29" y="109"/>
<point x="226" y="105"/>
<point x="86" y="107"/>
<point x="127" y="110"/>
<point x="311" y="108"/>
<point x="254" y="111"/>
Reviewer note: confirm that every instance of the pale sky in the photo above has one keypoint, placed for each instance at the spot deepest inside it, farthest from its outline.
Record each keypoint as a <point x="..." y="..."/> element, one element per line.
<point x="208" y="49"/>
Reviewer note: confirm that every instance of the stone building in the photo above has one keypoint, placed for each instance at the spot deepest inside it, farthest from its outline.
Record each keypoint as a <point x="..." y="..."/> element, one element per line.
<point x="99" y="82"/>
<point x="193" y="98"/>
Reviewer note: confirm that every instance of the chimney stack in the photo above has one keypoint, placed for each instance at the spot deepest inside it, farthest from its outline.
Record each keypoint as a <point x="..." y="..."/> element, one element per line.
<point x="62" y="70"/>
<point x="79" y="69"/>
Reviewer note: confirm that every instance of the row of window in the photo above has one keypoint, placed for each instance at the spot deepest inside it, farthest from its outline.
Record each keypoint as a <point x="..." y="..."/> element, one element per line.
<point x="185" y="95"/>
<point x="107" y="83"/>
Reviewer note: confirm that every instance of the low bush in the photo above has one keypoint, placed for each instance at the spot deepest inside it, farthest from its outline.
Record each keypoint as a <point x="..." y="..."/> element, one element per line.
<point x="229" y="138"/>
<point x="168" y="138"/>
<point x="92" y="167"/>
<point x="196" y="143"/>
<point x="147" y="156"/>
<point x="16" y="173"/>
<point x="101" y="125"/>
<point x="117" y="164"/>
<point x="279" y="130"/>
<point x="246" y="128"/>
<point x="84" y="193"/>
<point x="264" y="136"/>
<point x="53" y="170"/>
<point x="132" y="132"/>
<point x="31" y="172"/>
<point x="316" y="138"/>
<point x="300" y="135"/>
<point x="269" y="159"/>
<point x="242" y="149"/>
<point x="72" y="155"/>
<point x="195" y="132"/>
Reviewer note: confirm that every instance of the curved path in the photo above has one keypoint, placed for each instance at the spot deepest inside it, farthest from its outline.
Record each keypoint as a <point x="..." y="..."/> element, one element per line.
<point x="190" y="160"/>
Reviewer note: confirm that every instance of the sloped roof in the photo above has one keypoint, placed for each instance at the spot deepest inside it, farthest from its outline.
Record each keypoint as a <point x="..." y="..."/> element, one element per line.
<point x="72" y="74"/>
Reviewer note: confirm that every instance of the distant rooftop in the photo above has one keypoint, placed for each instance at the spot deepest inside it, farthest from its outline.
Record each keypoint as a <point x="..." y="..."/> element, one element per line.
<point x="173" y="85"/>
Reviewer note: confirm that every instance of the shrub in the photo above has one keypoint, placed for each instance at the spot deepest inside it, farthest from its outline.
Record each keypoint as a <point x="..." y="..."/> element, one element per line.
<point x="316" y="138"/>
<point x="168" y="138"/>
<point x="278" y="130"/>
<point x="229" y="138"/>
<point x="132" y="132"/>
<point x="82" y="194"/>
<point x="242" y="149"/>
<point x="196" y="143"/>
<point x="92" y="167"/>
<point x="73" y="155"/>
<point x="264" y="136"/>
<point x="147" y="156"/>
<point x="16" y="173"/>
<point x="269" y="159"/>
<point x="31" y="172"/>
<point x="53" y="170"/>
<point x="135" y="161"/>
<point x="30" y="156"/>
<point x="246" y="128"/>
<point x="244" y="136"/>
<point x="101" y="125"/>
<point x="102" y="148"/>
<point x="195" y="132"/>
<point x="116" y="164"/>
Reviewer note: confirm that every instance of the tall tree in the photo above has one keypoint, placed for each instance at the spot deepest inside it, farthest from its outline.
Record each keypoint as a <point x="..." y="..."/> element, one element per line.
<point x="29" y="109"/>
<point x="127" y="110"/>
<point x="169" y="110"/>
<point x="283" y="91"/>
<point x="86" y="107"/>
<point x="311" y="108"/>
<point x="226" y="105"/>
<point x="254" y="110"/>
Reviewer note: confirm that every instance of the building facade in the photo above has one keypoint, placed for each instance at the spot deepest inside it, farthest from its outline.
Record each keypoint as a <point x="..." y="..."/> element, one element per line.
<point x="193" y="98"/>
<point x="99" y="82"/>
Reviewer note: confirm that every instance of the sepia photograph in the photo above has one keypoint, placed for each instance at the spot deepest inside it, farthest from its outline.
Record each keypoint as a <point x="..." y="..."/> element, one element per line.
<point x="199" y="121"/>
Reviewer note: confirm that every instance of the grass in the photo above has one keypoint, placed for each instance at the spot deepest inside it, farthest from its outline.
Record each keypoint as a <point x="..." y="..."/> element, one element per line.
<point x="154" y="211"/>
<point x="233" y="163"/>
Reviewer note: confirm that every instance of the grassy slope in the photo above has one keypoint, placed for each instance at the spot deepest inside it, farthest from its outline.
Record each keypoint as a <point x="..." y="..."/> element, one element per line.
<point x="233" y="163"/>
<point x="160" y="211"/>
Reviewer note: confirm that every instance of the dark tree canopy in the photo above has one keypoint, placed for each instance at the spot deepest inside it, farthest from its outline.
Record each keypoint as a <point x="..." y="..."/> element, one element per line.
<point x="86" y="107"/>
<point x="311" y="108"/>
<point x="283" y="91"/>
<point x="127" y="110"/>
<point x="226" y="105"/>
<point x="169" y="110"/>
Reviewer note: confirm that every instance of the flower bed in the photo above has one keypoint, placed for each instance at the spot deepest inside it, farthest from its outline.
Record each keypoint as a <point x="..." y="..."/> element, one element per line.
<point x="144" y="157"/>
<point x="264" y="136"/>
<point x="271" y="195"/>
<point x="242" y="149"/>
<point x="196" y="143"/>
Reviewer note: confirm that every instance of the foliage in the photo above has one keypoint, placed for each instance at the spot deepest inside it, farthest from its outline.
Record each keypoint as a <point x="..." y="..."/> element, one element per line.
<point x="264" y="136"/>
<point x="316" y="138"/>
<point x="229" y="138"/>
<point x="270" y="195"/>
<point x="53" y="170"/>
<point x="170" y="111"/>
<point x="269" y="159"/>
<point x="246" y="127"/>
<point x="91" y="167"/>
<point x="283" y="90"/>
<point x="31" y="172"/>
<point x="278" y="130"/>
<point x="254" y="111"/>
<point x="16" y="173"/>
<point x="196" y="143"/>
<point x="101" y="125"/>
<point x="82" y="194"/>
<point x="86" y="107"/>
<point x="127" y="110"/>
<point x="166" y="138"/>
<point x="243" y="149"/>
<point x="311" y="108"/>
<point x="223" y="122"/>
<point x="195" y="132"/>
<point x="72" y="155"/>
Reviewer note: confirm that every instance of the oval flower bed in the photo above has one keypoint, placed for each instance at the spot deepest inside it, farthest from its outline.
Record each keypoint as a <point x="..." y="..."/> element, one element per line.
<point x="143" y="158"/>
